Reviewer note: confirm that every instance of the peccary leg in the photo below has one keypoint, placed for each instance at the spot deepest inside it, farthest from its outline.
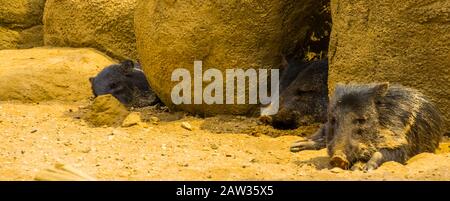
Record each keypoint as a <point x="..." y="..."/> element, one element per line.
<point x="315" y="142"/>
<point x="384" y="155"/>
<point x="374" y="162"/>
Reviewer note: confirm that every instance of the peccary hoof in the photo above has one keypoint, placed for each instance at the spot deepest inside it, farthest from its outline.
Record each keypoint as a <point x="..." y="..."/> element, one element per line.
<point x="301" y="145"/>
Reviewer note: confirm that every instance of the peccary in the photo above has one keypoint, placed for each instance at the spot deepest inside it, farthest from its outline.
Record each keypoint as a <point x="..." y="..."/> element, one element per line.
<point x="127" y="83"/>
<point x="303" y="97"/>
<point x="375" y="123"/>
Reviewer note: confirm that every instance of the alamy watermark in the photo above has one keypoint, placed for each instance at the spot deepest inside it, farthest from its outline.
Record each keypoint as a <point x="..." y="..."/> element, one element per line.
<point x="235" y="79"/>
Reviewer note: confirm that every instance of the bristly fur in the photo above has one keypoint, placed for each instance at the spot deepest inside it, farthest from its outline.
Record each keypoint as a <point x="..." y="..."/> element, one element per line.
<point x="379" y="116"/>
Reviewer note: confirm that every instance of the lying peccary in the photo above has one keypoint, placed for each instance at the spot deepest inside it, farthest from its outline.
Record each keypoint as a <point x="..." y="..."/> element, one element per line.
<point x="127" y="83"/>
<point x="303" y="97"/>
<point x="375" y="123"/>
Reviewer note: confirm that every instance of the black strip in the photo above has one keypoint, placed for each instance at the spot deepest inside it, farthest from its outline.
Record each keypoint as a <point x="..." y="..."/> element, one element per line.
<point x="280" y="190"/>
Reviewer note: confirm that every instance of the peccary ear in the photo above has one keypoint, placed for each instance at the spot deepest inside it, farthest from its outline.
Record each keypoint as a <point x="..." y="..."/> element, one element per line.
<point x="339" y="86"/>
<point x="91" y="80"/>
<point x="339" y="89"/>
<point x="380" y="89"/>
<point x="127" y="64"/>
<point x="137" y="65"/>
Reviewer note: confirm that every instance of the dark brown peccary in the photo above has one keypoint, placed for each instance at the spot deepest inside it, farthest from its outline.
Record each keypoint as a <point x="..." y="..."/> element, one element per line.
<point x="126" y="82"/>
<point x="303" y="97"/>
<point x="375" y="123"/>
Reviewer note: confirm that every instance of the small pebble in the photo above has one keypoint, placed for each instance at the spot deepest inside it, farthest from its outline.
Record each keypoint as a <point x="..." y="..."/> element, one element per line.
<point x="213" y="146"/>
<point x="336" y="170"/>
<point x="132" y="119"/>
<point x="186" y="126"/>
<point x="86" y="150"/>
<point x="154" y="120"/>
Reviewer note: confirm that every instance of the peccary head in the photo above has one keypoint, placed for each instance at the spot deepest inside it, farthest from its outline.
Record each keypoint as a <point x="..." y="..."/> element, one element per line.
<point x="304" y="99"/>
<point x="126" y="82"/>
<point x="353" y="123"/>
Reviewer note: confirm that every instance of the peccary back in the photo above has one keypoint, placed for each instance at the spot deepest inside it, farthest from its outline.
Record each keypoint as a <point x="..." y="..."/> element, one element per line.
<point x="420" y="120"/>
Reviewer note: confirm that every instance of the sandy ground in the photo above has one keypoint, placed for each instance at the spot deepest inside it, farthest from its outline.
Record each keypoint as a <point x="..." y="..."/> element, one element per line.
<point x="35" y="136"/>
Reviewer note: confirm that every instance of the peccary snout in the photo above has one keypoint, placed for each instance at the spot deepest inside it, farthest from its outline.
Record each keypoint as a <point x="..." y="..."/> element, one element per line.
<point x="339" y="159"/>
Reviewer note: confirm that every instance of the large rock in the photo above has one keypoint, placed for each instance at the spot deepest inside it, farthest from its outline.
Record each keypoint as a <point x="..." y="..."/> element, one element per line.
<point x="405" y="41"/>
<point x="21" y="23"/>
<point x="223" y="34"/>
<point x="44" y="74"/>
<point x="106" y="25"/>
<point x="21" y="38"/>
<point x="21" y="13"/>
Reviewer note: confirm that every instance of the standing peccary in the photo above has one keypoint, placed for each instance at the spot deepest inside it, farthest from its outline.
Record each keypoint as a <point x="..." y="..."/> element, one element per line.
<point x="126" y="82"/>
<point x="303" y="97"/>
<point x="375" y="123"/>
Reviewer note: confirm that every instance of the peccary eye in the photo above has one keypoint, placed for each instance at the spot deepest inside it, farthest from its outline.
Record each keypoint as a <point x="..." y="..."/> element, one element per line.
<point x="113" y="85"/>
<point x="359" y="121"/>
<point x="301" y="92"/>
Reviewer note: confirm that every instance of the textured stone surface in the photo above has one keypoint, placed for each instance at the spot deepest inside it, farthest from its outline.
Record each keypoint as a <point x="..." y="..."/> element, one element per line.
<point x="21" y="13"/>
<point x="21" y="38"/>
<point x="106" y="25"/>
<point x="21" y="24"/>
<point x="406" y="42"/>
<point x="223" y="34"/>
<point x="106" y="111"/>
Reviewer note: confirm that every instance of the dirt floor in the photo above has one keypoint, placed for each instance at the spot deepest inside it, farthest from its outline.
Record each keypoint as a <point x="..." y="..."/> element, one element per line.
<point x="36" y="136"/>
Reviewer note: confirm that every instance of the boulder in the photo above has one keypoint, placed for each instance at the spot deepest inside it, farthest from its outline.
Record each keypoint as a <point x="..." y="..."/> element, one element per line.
<point x="21" y="24"/>
<point x="21" y="38"/>
<point x="8" y="38"/>
<point x="21" y="13"/>
<point x="222" y="34"/>
<point x="405" y="41"/>
<point x="106" y="25"/>
<point x="45" y="74"/>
